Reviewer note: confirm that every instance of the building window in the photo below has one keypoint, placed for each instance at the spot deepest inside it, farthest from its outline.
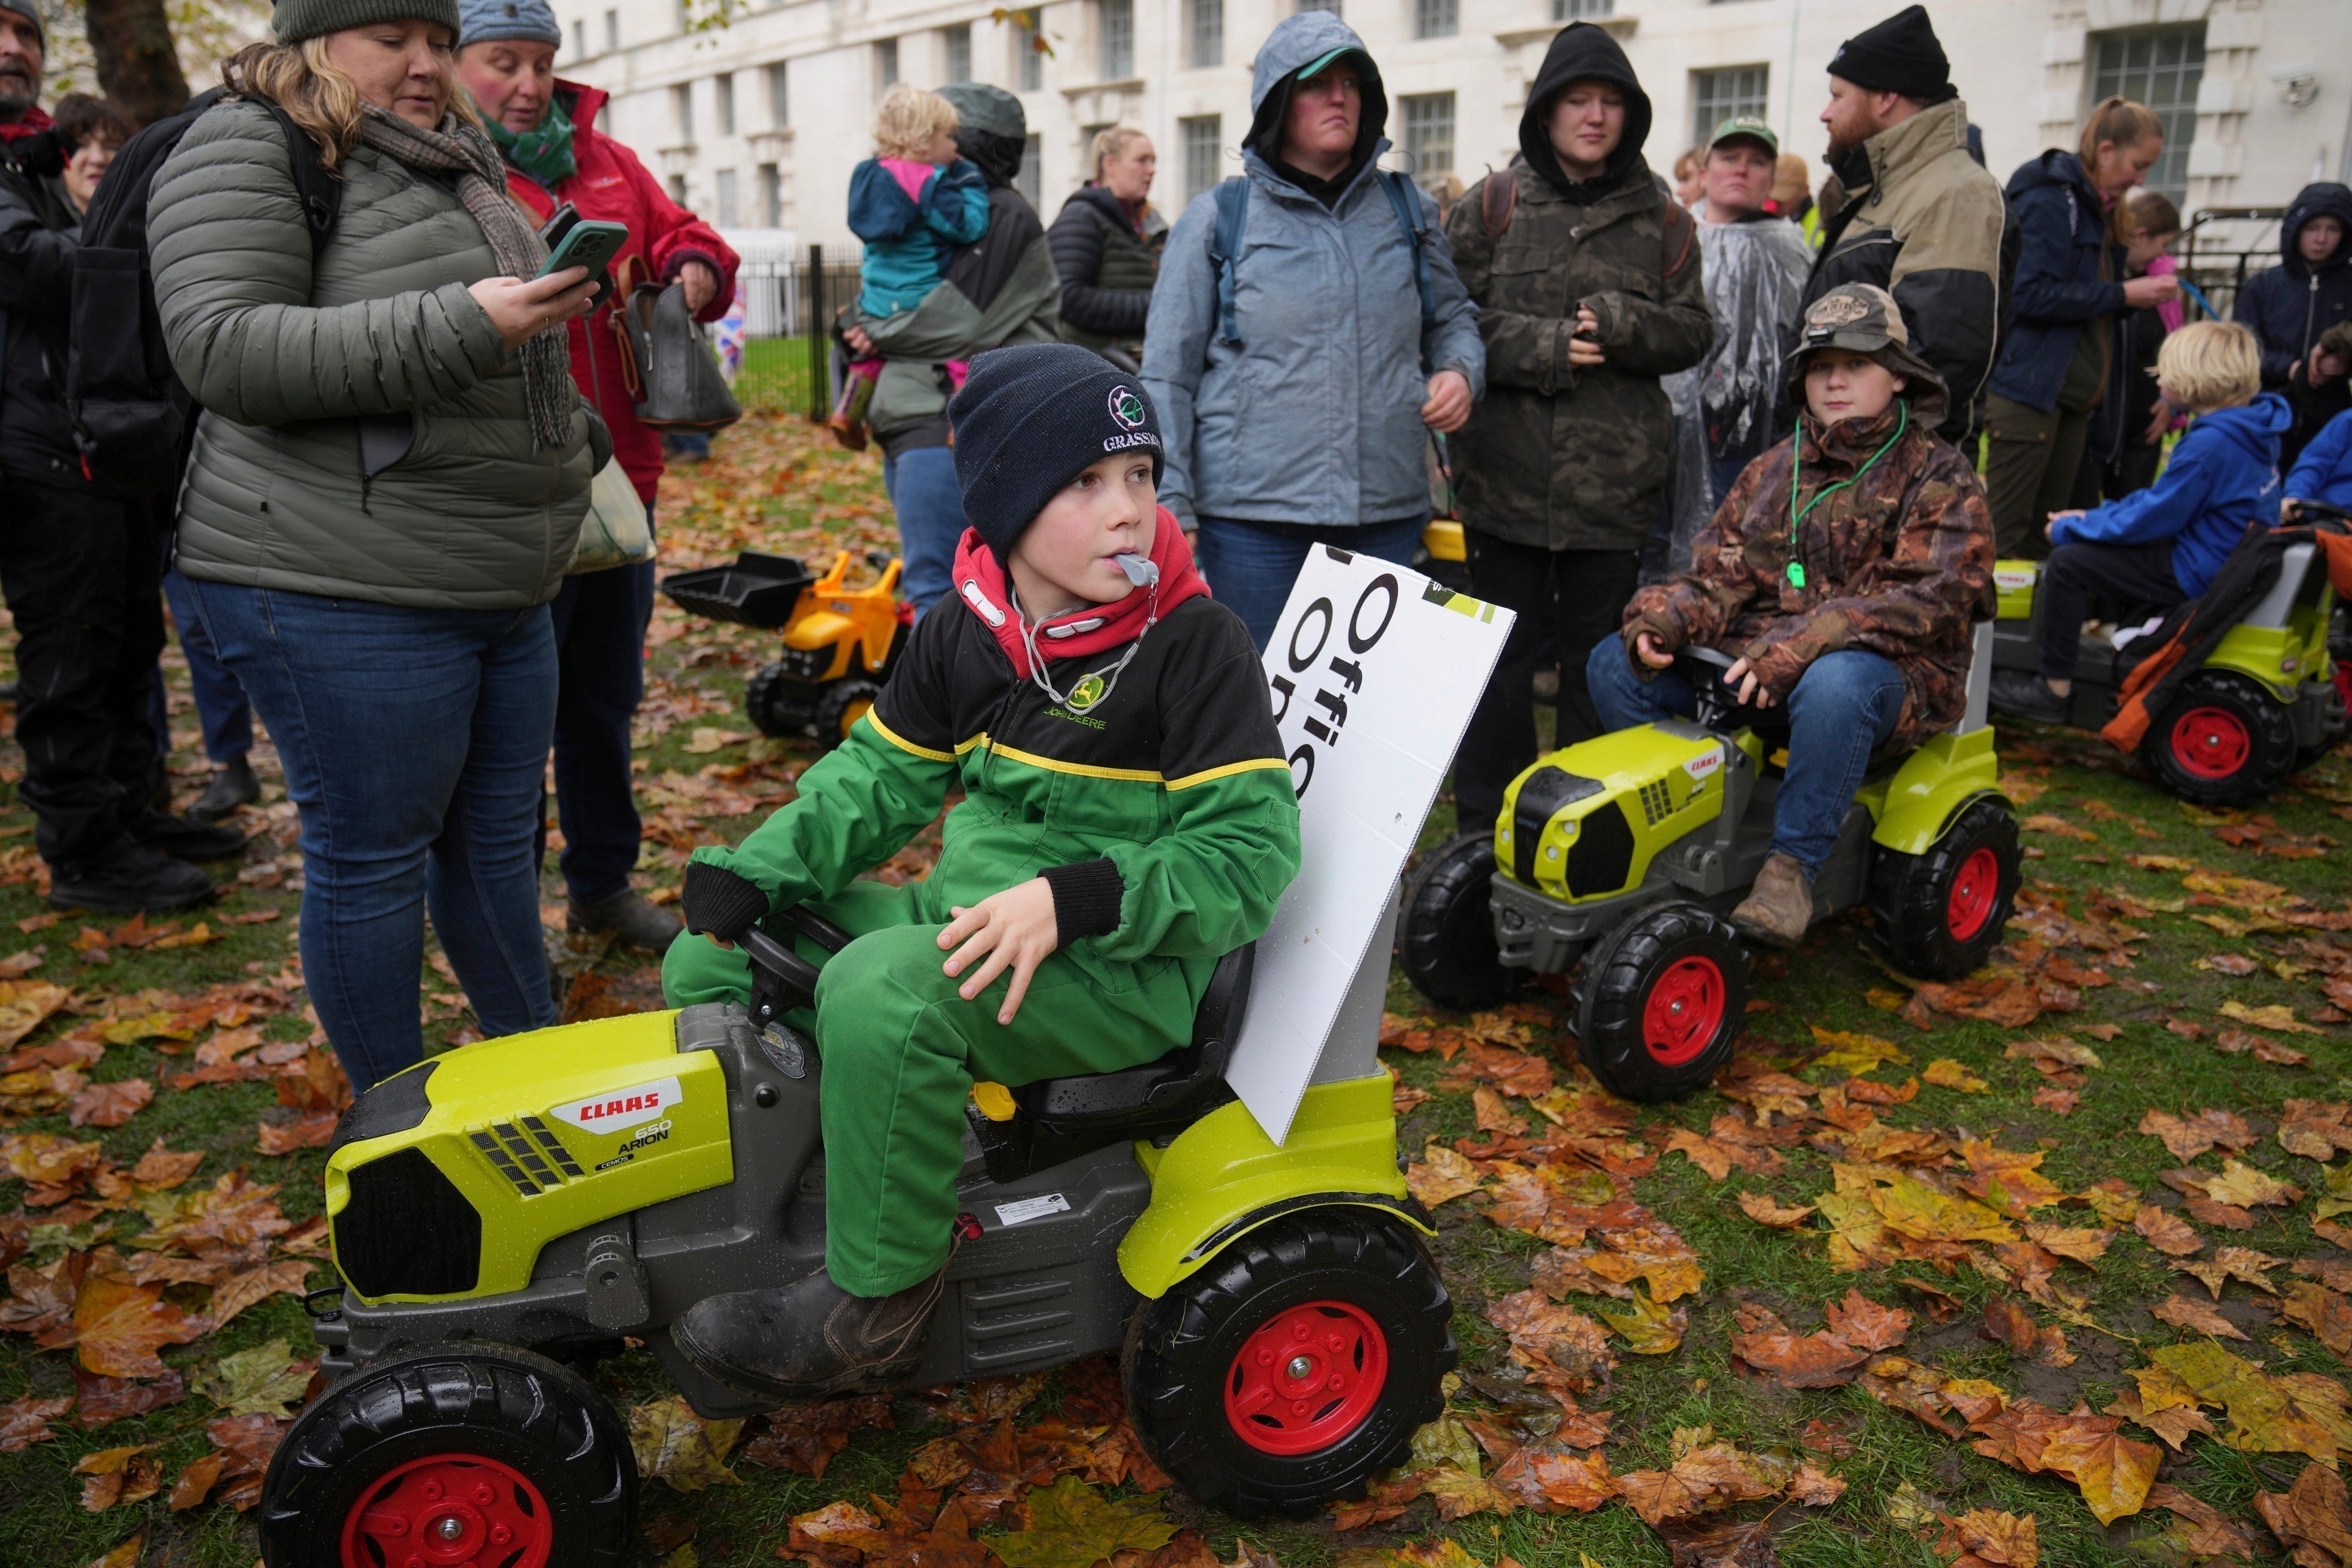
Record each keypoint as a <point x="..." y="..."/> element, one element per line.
<point x="771" y="196"/>
<point x="684" y="17"/>
<point x="957" y="39"/>
<point x="1028" y="55"/>
<point x="729" y="216"/>
<point x="612" y="30"/>
<point x="885" y="63"/>
<point x="681" y="113"/>
<point x="1208" y="34"/>
<point x="1116" y="19"/>
<point x="579" y="40"/>
<point x="1429" y="135"/>
<point x="1330" y="6"/>
<point x="1717" y="96"/>
<point x="1203" y="157"/>
<point x="780" y="97"/>
<point x="723" y="88"/>
<point x="1582" y="10"/>
<point x="677" y="189"/>
<point x="2162" y="69"/>
<point x="1026" y="179"/>
<point x="1436" y="19"/>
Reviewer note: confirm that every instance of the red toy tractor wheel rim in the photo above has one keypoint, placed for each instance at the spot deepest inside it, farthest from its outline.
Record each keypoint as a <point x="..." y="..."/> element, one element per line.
<point x="1308" y="1378"/>
<point x="446" y="1510"/>
<point x="1684" y="1010"/>
<point x="1974" y="892"/>
<point x="2210" y="742"/>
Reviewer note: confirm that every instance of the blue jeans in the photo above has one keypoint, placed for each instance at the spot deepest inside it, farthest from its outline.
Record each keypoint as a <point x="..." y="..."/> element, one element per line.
<point x="930" y="502"/>
<point x="1251" y="568"/>
<point x="1845" y="706"/>
<point x="221" y="706"/>
<point x="413" y="742"/>
<point x="599" y="626"/>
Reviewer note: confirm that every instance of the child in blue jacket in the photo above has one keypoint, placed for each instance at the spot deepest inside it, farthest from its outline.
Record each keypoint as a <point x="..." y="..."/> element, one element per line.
<point x="2158" y="547"/>
<point x="2324" y="472"/>
<point x="910" y="202"/>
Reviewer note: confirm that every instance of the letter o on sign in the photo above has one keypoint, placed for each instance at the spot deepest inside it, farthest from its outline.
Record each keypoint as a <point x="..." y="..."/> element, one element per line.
<point x="1298" y="661"/>
<point x="1356" y="639"/>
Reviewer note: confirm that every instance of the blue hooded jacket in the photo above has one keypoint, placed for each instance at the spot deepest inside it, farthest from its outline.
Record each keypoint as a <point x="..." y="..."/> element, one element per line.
<point x="2324" y="472"/>
<point x="2290" y="305"/>
<point x="2224" y="476"/>
<point x="906" y="240"/>
<point x="2062" y="228"/>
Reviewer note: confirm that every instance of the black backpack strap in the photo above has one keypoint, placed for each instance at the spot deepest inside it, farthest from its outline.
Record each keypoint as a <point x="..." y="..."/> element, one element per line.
<point x="1225" y="249"/>
<point x="319" y="190"/>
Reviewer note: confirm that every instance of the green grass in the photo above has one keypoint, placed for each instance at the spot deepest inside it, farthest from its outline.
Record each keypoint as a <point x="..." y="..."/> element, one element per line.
<point x="831" y="495"/>
<point x="776" y="376"/>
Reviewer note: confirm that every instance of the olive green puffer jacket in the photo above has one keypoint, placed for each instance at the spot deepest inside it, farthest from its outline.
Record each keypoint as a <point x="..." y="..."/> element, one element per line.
<point x="292" y="358"/>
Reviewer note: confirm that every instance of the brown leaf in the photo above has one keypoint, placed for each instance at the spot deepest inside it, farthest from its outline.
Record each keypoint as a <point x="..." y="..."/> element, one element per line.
<point x="2210" y="1535"/>
<point x="2326" y="1314"/>
<point x="2056" y="1101"/>
<point x="25" y="1421"/>
<point x="1982" y="1536"/>
<point x="315" y="1130"/>
<point x="1794" y="1361"/>
<point x="106" y="1399"/>
<point x="160" y="1170"/>
<point x="2011" y="1324"/>
<point x="118" y="1476"/>
<point x="2315" y="1129"/>
<point x="2314" y="1514"/>
<point x="2112" y="1471"/>
<point x="1815" y="1487"/>
<point x="2083" y="1246"/>
<point x="121" y="1326"/>
<point x="1719" y="1542"/>
<point x="2166" y="1231"/>
<point x="110" y="1104"/>
<point x="196" y="1481"/>
<point x="2189" y="1137"/>
<point x="1764" y="1209"/>
<point x="2181" y="1311"/>
<point x="1442" y="1175"/>
<point x="240" y="1291"/>
<point x="1552" y="1479"/>
<point x="1866" y="1326"/>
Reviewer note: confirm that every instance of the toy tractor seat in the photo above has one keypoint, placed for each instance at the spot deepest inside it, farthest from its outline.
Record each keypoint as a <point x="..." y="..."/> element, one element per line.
<point x="1057" y="1119"/>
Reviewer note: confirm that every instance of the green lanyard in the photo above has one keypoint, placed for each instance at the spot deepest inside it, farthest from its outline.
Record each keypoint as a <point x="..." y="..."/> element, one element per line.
<point x="1796" y="467"/>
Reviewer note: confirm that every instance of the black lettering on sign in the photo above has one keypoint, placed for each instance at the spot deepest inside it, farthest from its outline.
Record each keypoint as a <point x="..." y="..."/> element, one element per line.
<point x="1386" y="584"/>
<point x="1298" y="661"/>
<point x="1282" y="683"/>
<point x="1298" y="780"/>
<point x="1352" y="673"/>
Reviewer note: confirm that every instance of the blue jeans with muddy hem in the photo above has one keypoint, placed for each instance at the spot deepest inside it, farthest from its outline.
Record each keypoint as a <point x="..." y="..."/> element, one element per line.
<point x="1252" y="566"/>
<point x="1845" y="706"/>
<point x="413" y="742"/>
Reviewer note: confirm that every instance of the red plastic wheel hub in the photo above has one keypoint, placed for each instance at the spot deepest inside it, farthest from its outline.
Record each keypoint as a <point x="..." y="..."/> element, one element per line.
<point x="1308" y="1378"/>
<point x="1684" y="1012"/>
<point x="1974" y="892"/>
<point x="445" y="1511"/>
<point x="2210" y="742"/>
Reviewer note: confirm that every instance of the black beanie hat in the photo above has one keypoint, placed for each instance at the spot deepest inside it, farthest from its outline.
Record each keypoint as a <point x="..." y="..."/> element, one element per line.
<point x="1899" y="54"/>
<point x="1032" y="418"/>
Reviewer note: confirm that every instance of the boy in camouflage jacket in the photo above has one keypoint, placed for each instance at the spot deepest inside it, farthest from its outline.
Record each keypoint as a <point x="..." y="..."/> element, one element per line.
<point x="1842" y="573"/>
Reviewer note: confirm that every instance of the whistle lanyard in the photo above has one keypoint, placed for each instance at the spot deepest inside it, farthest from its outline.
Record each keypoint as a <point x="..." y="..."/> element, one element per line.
<point x="1796" y="470"/>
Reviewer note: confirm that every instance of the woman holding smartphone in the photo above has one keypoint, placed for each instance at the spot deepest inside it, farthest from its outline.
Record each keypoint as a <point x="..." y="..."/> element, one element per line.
<point x="389" y="476"/>
<point x="555" y="156"/>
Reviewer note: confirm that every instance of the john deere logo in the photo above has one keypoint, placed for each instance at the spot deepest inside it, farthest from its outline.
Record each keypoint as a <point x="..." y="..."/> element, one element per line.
<point x="1087" y="692"/>
<point x="1127" y="409"/>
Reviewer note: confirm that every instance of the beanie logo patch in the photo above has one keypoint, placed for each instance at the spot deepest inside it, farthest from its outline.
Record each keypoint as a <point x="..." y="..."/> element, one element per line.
<point x="1127" y="409"/>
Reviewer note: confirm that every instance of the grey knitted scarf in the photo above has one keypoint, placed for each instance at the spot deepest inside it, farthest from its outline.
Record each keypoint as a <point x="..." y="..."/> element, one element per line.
<point x="457" y="147"/>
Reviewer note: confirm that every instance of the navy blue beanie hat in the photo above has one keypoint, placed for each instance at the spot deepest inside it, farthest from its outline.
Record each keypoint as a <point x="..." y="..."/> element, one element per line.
<point x="1029" y="420"/>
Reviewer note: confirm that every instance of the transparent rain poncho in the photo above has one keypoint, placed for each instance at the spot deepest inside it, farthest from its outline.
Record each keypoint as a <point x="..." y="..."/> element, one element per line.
<point x="1755" y="274"/>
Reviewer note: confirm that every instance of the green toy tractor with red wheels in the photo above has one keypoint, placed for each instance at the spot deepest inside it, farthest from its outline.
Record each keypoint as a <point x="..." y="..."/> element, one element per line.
<point x="1618" y="858"/>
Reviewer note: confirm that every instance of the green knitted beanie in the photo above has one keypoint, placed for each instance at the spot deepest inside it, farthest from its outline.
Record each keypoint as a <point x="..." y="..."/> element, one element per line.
<point x="295" y="20"/>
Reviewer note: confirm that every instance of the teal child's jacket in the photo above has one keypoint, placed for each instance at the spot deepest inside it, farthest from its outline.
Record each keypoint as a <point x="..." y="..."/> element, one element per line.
<point x="1164" y="817"/>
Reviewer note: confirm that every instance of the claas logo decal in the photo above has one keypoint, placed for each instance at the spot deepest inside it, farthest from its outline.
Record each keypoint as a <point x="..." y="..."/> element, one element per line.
<point x="622" y="1108"/>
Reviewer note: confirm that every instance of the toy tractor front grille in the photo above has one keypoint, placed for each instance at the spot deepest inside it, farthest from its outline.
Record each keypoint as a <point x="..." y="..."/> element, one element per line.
<point x="505" y="1146"/>
<point x="407" y="1230"/>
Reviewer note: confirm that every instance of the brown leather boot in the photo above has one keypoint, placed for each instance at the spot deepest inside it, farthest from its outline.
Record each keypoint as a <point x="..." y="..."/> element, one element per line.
<point x="1779" y="907"/>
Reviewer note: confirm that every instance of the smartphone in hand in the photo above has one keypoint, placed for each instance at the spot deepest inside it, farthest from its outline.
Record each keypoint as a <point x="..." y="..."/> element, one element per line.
<point x="588" y="243"/>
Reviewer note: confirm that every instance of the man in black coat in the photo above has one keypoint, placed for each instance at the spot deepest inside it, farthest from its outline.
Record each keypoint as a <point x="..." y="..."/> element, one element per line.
<point x="83" y="572"/>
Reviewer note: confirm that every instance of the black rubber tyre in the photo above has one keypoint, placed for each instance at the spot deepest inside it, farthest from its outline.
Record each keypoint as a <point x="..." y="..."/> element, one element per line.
<point x="844" y="703"/>
<point x="1661" y="1000"/>
<point x="2223" y="741"/>
<point x="1446" y="939"/>
<point x="474" y="1421"/>
<point x="1940" y="913"/>
<point x="1363" y="1286"/>
<point x="768" y="709"/>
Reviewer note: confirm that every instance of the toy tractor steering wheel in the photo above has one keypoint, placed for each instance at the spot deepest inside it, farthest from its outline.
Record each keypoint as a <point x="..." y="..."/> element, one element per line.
<point x="781" y="978"/>
<point x="1714" y="698"/>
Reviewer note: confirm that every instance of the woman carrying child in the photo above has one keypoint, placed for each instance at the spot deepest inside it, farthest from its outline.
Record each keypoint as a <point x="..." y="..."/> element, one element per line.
<point x="2158" y="547"/>
<point x="1128" y="819"/>
<point x="1842" y="573"/>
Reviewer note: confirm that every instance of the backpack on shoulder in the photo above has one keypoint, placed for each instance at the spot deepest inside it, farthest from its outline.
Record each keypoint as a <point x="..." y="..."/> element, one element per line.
<point x="131" y="419"/>
<point x="1233" y="212"/>
<point x="1498" y="196"/>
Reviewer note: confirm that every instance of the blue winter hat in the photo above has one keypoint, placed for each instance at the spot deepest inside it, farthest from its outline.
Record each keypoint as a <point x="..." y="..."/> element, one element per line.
<point x="1029" y="420"/>
<point x="479" y="21"/>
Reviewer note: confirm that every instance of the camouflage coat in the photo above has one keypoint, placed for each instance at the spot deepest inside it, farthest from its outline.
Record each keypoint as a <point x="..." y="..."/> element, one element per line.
<point x="1565" y="457"/>
<point x="1899" y="564"/>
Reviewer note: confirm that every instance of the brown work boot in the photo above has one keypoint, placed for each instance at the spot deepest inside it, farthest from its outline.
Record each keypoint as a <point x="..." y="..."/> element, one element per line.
<point x="1780" y="906"/>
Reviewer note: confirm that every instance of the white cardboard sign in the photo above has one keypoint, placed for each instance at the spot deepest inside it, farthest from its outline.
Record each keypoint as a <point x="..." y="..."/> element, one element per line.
<point x="1374" y="671"/>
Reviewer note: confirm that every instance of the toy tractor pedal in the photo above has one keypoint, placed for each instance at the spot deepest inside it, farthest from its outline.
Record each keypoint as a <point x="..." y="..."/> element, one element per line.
<point x="1621" y="856"/>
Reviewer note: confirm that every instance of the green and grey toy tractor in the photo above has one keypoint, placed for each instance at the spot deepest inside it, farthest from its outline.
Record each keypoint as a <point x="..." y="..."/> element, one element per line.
<point x="502" y="1216"/>
<point x="2264" y="703"/>
<point x="1624" y="854"/>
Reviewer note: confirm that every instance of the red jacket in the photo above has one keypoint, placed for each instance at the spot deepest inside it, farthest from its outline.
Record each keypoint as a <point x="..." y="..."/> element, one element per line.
<point x="611" y="185"/>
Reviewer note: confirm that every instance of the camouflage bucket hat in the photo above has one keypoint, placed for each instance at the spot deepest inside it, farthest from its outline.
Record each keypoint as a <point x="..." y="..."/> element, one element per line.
<point x="1863" y="317"/>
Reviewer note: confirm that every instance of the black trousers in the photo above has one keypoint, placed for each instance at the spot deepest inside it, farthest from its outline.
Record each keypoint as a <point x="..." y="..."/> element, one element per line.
<point x="84" y="579"/>
<point x="1567" y="600"/>
<point x="2123" y="580"/>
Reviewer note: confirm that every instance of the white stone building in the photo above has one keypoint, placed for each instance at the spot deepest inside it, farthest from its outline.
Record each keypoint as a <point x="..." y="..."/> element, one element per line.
<point x="755" y="119"/>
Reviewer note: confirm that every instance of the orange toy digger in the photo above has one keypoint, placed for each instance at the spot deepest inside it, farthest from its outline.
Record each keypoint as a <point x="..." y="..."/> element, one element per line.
<point x="839" y="641"/>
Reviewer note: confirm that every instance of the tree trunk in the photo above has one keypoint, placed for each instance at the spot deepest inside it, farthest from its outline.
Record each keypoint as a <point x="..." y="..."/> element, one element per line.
<point x="138" y="67"/>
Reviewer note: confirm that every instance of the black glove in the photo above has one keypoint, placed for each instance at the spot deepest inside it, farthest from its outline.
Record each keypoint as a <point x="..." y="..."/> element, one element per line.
<point x="717" y="900"/>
